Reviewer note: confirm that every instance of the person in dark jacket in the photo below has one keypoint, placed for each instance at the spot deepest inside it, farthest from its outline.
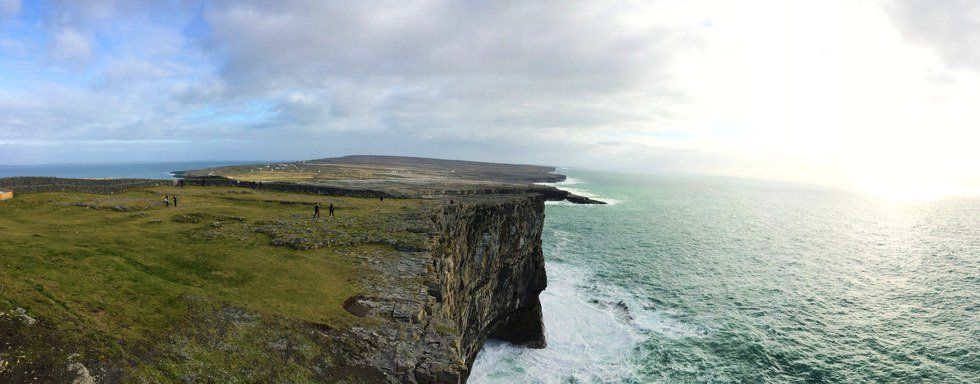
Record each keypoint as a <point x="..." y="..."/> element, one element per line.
<point x="316" y="211"/>
<point x="330" y="209"/>
<point x="175" y="201"/>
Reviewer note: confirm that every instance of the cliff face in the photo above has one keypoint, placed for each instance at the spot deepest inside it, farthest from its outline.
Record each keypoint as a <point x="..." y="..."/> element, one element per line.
<point x="491" y="270"/>
<point x="479" y="278"/>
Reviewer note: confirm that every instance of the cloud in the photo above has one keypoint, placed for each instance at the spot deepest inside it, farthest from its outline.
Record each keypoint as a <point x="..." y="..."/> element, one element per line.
<point x="304" y="43"/>
<point x="449" y="70"/>
<point x="348" y="73"/>
<point x="310" y="79"/>
<point x="950" y="28"/>
<point x="71" y="47"/>
<point x="774" y="89"/>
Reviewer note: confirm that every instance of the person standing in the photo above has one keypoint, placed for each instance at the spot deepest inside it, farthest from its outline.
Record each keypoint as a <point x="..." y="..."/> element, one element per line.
<point x="316" y="211"/>
<point x="175" y="201"/>
<point x="330" y="209"/>
<point x="166" y="200"/>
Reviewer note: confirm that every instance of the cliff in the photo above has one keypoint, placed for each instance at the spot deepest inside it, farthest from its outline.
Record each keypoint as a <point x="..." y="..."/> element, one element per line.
<point x="491" y="270"/>
<point x="480" y="277"/>
<point x="401" y="291"/>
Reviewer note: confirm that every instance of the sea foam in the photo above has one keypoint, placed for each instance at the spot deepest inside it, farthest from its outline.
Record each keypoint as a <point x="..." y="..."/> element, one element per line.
<point x="585" y="342"/>
<point x="591" y="329"/>
<point x="564" y="185"/>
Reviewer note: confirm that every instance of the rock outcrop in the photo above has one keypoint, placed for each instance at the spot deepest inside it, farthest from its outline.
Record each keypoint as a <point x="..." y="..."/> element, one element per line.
<point x="491" y="270"/>
<point x="479" y="279"/>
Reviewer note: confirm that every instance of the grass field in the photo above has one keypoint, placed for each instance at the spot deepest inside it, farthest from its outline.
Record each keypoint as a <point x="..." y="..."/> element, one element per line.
<point x="125" y="278"/>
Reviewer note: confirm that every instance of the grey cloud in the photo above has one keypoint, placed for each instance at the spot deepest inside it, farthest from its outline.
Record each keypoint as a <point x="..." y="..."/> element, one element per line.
<point x="303" y="43"/>
<point x="951" y="28"/>
<point x="504" y="81"/>
<point x="445" y="68"/>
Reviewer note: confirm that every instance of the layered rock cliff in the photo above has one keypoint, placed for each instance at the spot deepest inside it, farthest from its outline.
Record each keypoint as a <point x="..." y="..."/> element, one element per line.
<point x="480" y="278"/>
<point x="491" y="270"/>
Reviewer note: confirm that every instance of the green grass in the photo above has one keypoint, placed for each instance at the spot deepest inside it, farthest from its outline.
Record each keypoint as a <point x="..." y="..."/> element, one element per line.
<point x="122" y="268"/>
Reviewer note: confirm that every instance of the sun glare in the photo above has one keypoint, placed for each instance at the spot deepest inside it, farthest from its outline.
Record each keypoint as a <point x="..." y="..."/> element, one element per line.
<point x="838" y="97"/>
<point x="905" y="190"/>
<point x="910" y="178"/>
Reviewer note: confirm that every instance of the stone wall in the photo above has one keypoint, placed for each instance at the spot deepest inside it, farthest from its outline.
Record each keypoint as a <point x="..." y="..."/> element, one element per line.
<point x="98" y="186"/>
<point x="221" y="181"/>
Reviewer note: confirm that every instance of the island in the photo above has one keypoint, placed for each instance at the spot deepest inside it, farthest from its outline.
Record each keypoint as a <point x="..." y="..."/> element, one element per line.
<point x="234" y="280"/>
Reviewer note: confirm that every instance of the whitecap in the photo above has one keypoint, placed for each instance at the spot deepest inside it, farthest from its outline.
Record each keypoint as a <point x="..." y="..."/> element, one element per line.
<point x="563" y="185"/>
<point x="585" y="342"/>
<point x="589" y="336"/>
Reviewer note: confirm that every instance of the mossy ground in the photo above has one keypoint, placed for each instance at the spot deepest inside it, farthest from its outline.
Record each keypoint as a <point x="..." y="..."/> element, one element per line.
<point x="124" y="278"/>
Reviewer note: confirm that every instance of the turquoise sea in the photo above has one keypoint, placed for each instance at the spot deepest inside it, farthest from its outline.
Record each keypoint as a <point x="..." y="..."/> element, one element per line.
<point x="713" y="280"/>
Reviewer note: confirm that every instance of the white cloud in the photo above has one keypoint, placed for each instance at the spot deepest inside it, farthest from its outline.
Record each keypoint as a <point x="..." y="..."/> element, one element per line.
<point x="951" y="28"/>
<point x="71" y="47"/>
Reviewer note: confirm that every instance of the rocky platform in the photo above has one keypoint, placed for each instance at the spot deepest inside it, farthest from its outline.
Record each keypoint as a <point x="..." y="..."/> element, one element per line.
<point x="391" y="176"/>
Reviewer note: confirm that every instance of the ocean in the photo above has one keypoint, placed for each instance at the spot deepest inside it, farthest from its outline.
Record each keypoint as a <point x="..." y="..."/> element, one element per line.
<point x="714" y="280"/>
<point x="148" y="170"/>
<point x="700" y="279"/>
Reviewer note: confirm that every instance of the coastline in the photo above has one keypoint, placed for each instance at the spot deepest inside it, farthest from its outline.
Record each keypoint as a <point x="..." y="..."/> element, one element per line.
<point x="438" y="333"/>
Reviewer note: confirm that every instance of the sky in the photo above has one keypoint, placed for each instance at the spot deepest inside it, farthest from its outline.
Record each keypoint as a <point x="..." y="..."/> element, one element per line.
<point x="876" y="95"/>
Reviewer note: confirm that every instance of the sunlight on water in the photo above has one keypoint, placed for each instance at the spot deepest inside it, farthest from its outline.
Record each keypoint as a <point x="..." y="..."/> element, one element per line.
<point x="718" y="280"/>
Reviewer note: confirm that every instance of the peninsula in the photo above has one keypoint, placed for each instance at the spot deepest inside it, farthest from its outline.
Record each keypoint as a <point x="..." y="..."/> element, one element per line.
<point x="395" y="176"/>
<point x="423" y="260"/>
